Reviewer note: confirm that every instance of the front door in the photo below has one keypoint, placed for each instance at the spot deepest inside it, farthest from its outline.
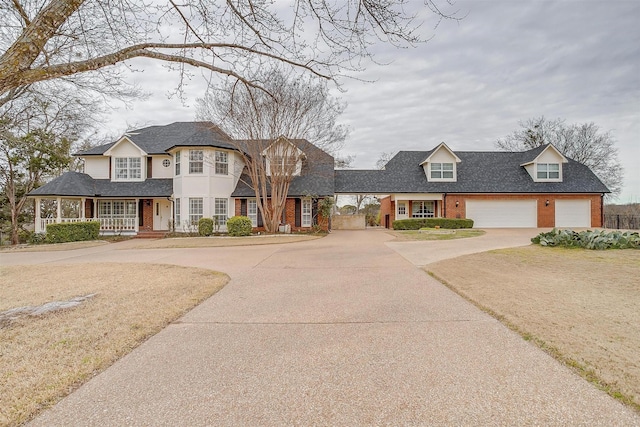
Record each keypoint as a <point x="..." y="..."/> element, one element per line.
<point x="161" y="214"/>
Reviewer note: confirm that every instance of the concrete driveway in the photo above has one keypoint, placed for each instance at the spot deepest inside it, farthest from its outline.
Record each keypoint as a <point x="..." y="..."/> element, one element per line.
<point x="337" y="331"/>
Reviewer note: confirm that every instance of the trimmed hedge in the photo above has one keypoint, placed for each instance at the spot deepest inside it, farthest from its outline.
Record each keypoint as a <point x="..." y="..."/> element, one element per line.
<point x="418" y="223"/>
<point x="205" y="226"/>
<point x="239" y="226"/>
<point x="72" y="232"/>
<point x="598" y="240"/>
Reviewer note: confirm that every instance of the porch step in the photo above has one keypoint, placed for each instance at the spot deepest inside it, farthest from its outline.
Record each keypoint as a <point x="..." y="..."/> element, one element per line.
<point x="150" y="235"/>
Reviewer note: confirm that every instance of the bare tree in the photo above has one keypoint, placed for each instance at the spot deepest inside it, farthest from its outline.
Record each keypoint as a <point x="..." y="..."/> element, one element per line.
<point x="584" y="143"/>
<point x="273" y="128"/>
<point x="384" y="158"/>
<point x="86" y="39"/>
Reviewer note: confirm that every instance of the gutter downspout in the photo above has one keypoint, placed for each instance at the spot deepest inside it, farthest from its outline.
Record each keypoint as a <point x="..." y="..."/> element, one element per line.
<point x="602" y="211"/>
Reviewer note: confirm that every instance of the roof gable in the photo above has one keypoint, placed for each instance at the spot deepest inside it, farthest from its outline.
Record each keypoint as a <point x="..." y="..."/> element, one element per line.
<point x="118" y="144"/>
<point x="437" y="150"/>
<point x="544" y="151"/>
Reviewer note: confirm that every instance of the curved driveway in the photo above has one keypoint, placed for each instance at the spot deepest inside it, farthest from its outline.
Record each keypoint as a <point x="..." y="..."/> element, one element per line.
<point x="337" y="331"/>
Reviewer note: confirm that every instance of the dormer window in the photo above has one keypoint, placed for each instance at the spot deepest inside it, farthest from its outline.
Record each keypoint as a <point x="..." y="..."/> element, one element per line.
<point x="128" y="168"/>
<point x="548" y="171"/>
<point x="441" y="170"/>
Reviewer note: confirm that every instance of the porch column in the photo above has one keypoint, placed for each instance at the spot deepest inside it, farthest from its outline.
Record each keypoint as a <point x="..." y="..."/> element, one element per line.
<point x="59" y="210"/>
<point x="137" y="226"/>
<point x="83" y="217"/>
<point x="38" y="224"/>
<point x="95" y="209"/>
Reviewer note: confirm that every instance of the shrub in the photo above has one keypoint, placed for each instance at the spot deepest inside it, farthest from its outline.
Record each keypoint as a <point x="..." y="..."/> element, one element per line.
<point x="239" y="226"/>
<point x="418" y="223"/>
<point x="589" y="239"/>
<point x="72" y="232"/>
<point x="205" y="226"/>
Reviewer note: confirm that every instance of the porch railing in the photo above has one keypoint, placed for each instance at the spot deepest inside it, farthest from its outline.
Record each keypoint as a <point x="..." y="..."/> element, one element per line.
<point x="106" y="224"/>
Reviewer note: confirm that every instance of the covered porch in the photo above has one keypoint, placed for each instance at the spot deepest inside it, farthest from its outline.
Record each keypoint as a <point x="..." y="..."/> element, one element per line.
<point x="116" y="216"/>
<point x="411" y="205"/>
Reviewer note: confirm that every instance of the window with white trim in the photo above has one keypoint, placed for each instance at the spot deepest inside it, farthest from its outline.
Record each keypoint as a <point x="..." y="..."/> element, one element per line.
<point x="402" y="208"/>
<point x="422" y="209"/>
<point x="176" y="206"/>
<point x="128" y="168"/>
<point x="196" y="161"/>
<point x="307" y="216"/>
<point x="195" y="210"/>
<point x="222" y="163"/>
<point x="177" y="163"/>
<point x="441" y="170"/>
<point x="220" y="211"/>
<point x="252" y="211"/>
<point x="548" y="171"/>
<point x="116" y="209"/>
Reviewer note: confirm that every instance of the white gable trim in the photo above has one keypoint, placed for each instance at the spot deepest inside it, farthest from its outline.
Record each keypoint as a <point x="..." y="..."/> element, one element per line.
<point x="549" y="147"/>
<point x="281" y="139"/>
<point x="438" y="148"/>
<point x="121" y="141"/>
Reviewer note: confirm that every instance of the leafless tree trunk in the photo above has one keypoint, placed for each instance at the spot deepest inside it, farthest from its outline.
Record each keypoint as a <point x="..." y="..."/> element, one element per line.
<point x="270" y="126"/>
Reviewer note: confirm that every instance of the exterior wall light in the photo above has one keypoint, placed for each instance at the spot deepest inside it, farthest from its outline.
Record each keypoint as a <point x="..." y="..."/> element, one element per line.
<point x="546" y="203"/>
<point x="457" y="203"/>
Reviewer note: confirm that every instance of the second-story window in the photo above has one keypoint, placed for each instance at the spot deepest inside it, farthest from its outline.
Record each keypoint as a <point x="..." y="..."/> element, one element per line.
<point x="442" y="170"/>
<point x="222" y="163"/>
<point x="128" y="168"/>
<point x="196" y="161"/>
<point x="548" y="171"/>
<point x="177" y="163"/>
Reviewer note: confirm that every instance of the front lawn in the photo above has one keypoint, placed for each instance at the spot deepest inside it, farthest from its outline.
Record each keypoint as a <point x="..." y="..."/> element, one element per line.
<point x="43" y="358"/>
<point x="581" y="306"/>
<point x="434" y="234"/>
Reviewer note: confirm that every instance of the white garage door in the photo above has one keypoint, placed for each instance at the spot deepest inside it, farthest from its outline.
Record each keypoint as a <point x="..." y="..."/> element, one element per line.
<point x="503" y="213"/>
<point x="573" y="213"/>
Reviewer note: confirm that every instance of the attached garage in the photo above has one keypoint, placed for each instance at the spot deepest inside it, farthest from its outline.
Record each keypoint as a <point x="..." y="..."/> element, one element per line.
<point x="573" y="213"/>
<point x="503" y="213"/>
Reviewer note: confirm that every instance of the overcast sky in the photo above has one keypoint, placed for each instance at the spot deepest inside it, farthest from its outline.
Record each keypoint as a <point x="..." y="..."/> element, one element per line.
<point x="471" y="84"/>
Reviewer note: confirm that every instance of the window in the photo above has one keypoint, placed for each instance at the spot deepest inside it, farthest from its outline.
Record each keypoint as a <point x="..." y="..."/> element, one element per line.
<point x="166" y="163"/>
<point x="306" y="213"/>
<point x="177" y="208"/>
<point x="177" y="163"/>
<point x="116" y="209"/>
<point x="402" y="209"/>
<point x="286" y="165"/>
<point x="220" y="211"/>
<point x="196" y="161"/>
<point x="548" y="171"/>
<point x="195" y="210"/>
<point x="222" y="163"/>
<point x="422" y="209"/>
<point x="252" y="211"/>
<point x="442" y="170"/>
<point x="128" y="168"/>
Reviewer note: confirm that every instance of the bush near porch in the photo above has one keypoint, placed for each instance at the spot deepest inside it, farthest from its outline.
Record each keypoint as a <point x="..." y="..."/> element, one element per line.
<point x="418" y="223"/>
<point x="72" y="232"/>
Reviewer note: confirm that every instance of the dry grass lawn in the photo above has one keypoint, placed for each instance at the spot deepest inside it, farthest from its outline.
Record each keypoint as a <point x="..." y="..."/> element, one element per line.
<point x="582" y="306"/>
<point x="443" y="234"/>
<point x="54" y="247"/>
<point x="43" y="358"/>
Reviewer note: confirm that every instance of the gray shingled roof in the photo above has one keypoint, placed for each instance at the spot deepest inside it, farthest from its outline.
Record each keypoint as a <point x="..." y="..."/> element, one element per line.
<point x="316" y="177"/>
<point x="160" y="139"/>
<point x="478" y="172"/>
<point x="82" y="185"/>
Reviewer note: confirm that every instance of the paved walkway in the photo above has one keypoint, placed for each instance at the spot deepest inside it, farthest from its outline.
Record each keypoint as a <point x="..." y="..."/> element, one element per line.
<point x="337" y="331"/>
